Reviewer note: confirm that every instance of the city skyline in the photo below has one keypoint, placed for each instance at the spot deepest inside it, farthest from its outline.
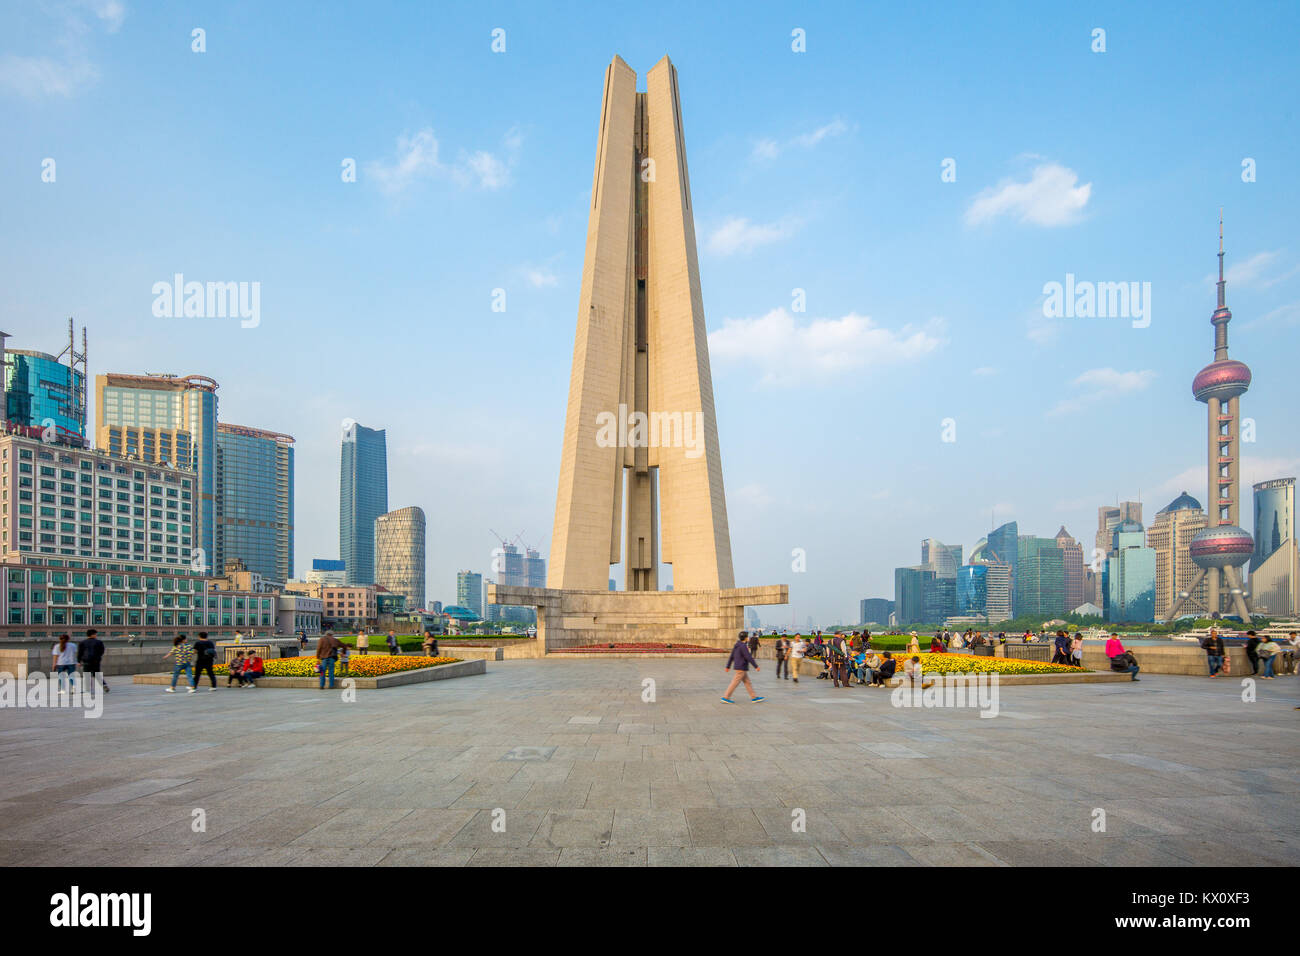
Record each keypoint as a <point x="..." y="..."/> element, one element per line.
<point x="811" y="178"/>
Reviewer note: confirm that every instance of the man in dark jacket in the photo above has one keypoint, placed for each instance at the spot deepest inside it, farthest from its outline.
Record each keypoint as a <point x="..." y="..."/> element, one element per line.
<point x="1213" y="647"/>
<point x="885" y="672"/>
<point x="782" y="651"/>
<point x="91" y="655"/>
<point x="205" y="655"/>
<point x="328" y="649"/>
<point x="742" y="660"/>
<point x="1252" y="654"/>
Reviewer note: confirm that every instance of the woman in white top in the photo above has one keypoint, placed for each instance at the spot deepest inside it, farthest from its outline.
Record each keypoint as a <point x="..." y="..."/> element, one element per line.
<point x="955" y="644"/>
<point x="65" y="660"/>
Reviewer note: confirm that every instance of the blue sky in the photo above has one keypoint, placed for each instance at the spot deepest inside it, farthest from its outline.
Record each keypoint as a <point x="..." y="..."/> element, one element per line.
<point x="817" y="171"/>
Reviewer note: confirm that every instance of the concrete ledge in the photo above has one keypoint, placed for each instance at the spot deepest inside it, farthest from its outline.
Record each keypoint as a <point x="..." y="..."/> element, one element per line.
<point x="471" y="653"/>
<point x="420" y="676"/>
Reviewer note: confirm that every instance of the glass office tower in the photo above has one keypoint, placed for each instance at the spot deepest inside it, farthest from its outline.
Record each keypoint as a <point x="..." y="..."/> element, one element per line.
<point x="40" y="389"/>
<point x="254" y="498"/>
<point x="363" y="497"/>
<point x="1003" y="547"/>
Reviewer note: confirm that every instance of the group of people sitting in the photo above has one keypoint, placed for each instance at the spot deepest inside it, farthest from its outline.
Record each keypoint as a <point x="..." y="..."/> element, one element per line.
<point x="246" y="669"/>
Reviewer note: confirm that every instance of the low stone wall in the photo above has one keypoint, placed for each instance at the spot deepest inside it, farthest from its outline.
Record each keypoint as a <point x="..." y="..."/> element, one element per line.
<point x="1175" y="658"/>
<point x="118" y="659"/>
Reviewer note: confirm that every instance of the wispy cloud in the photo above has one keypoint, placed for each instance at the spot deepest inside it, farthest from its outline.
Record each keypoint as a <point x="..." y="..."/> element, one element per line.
<point x="984" y="371"/>
<point x="417" y="158"/>
<point x="540" y="277"/>
<point x="786" y="351"/>
<point x="739" y="235"/>
<point x="72" y="70"/>
<point x="1050" y="197"/>
<point x="1098" y="384"/>
<point x="770" y="148"/>
<point x="1283" y="315"/>
<point x="1257" y="271"/>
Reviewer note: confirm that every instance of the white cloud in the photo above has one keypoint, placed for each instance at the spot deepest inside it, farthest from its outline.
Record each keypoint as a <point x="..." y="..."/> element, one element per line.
<point x="72" y="71"/>
<point x="540" y="277"/>
<point x="770" y="148"/>
<point x="417" y="158"/>
<point x="984" y="371"/>
<point x="1193" y="478"/>
<point x="1254" y="272"/>
<point x="737" y="234"/>
<point x="1284" y="315"/>
<point x="1099" y="384"/>
<point x="787" y="351"/>
<point x="1049" y="198"/>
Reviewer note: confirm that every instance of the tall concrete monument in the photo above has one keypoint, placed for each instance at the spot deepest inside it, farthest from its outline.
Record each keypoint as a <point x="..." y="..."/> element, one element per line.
<point x="640" y="470"/>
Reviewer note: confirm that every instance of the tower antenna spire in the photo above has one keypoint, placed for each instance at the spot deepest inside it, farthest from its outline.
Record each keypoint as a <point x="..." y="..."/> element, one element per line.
<point x="1223" y="301"/>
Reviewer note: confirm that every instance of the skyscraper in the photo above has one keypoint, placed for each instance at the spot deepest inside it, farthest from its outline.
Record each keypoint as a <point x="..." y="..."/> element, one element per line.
<point x="254" y="500"/>
<point x="1273" y="570"/>
<point x="1072" y="563"/>
<point x="1170" y="536"/>
<point x="909" y="593"/>
<point x="1111" y="516"/>
<point x="1130" y="575"/>
<point x="943" y="559"/>
<point x="39" y="389"/>
<point x="469" y="591"/>
<point x="1040" y="577"/>
<point x="1003" y="547"/>
<point x="399" y="554"/>
<point x="875" y="610"/>
<point x="166" y="419"/>
<point x="363" y="497"/>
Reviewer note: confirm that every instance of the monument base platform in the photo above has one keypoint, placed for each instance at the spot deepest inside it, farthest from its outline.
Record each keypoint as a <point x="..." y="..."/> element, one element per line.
<point x="569" y="618"/>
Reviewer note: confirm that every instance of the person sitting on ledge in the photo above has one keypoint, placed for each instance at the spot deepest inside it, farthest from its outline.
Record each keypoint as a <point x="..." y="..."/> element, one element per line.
<point x="1120" y="659"/>
<point x="885" y="672"/>
<point x="913" y="672"/>
<point x="253" y="669"/>
<point x="936" y="645"/>
<point x="236" y="668"/>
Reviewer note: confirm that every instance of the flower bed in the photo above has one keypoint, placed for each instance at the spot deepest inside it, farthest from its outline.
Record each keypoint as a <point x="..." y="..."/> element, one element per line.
<point x="368" y="665"/>
<point x="949" y="663"/>
<point x="641" y="648"/>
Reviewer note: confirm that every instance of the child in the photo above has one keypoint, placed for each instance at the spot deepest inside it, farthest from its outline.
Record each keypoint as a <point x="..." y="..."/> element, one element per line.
<point x="343" y="660"/>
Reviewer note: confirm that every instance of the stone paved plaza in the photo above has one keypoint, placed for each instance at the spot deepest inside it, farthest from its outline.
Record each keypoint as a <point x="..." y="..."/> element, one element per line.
<point x="586" y="773"/>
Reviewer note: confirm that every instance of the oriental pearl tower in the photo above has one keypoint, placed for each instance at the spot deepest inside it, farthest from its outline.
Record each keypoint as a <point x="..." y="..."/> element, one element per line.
<point x="1222" y="548"/>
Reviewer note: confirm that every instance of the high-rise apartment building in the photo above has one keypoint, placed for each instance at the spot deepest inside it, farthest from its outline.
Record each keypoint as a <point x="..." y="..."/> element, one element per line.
<point x="469" y="591"/>
<point x="399" y="554"/>
<point x="1273" y="570"/>
<point x="1170" y="536"/>
<point x="254" y="500"/>
<point x="166" y="420"/>
<point x="363" y="497"/>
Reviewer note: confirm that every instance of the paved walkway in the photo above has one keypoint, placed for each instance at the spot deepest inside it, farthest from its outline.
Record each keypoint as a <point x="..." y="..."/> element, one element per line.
<point x="572" y="767"/>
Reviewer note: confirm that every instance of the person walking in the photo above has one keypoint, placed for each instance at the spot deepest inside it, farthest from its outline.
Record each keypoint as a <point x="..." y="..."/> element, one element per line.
<point x="393" y="649"/>
<point x="91" y="655"/>
<point x="798" y="648"/>
<point x="1213" y="647"/>
<point x="205" y="655"/>
<point x="182" y="655"/>
<point x="742" y="660"/>
<point x="65" y="662"/>
<point x="327" y="655"/>
<point x="1252" y="654"/>
<point x="1061" y="652"/>
<point x="1076" y="650"/>
<point x="1269" y="651"/>
<point x="363" y="642"/>
<point x="753" y="644"/>
<point x="781" y="648"/>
